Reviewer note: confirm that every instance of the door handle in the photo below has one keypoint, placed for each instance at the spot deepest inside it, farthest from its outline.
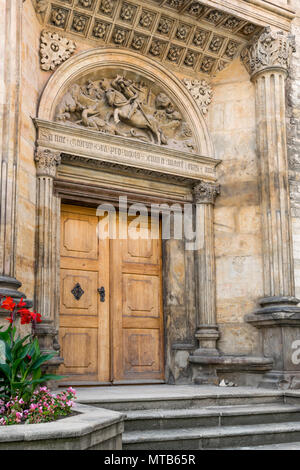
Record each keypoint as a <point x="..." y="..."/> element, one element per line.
<point x="101" y="291"/>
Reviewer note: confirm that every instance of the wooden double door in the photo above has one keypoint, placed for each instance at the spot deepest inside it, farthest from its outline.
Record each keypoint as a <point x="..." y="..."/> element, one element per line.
<point x="111" y="319"/>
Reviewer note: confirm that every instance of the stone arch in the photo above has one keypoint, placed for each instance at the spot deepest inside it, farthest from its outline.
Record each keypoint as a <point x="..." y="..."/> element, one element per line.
<point x="88" y="62"/>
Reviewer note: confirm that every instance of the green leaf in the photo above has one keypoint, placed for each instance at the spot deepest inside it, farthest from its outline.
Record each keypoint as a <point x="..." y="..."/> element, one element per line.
<point x="41" y="360"/>
<point x="5" y="369"/>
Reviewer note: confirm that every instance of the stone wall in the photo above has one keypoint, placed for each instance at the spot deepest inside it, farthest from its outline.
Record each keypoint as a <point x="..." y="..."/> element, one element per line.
<point x="237" y="212"/>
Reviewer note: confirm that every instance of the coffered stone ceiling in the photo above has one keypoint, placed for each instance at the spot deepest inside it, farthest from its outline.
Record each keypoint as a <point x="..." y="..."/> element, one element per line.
<point x="185" y="35"/>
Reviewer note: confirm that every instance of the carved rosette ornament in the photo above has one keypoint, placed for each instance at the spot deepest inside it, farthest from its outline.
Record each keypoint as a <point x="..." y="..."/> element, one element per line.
<point x="205" y="192"/>
<point x="54" y="50"/>
<point x="201" y="91"/>
<point x="47" y="161"/>
<point x="271" y="50"/>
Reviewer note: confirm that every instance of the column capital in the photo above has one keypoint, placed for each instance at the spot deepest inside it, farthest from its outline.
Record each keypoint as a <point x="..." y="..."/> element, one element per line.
<point x="205" y="192"/>
<point x="270" y="51"/>
<point x="46" y="161"/>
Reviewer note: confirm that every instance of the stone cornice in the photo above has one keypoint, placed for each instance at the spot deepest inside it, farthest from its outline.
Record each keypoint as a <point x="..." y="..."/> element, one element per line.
<point x="271" y="50"/>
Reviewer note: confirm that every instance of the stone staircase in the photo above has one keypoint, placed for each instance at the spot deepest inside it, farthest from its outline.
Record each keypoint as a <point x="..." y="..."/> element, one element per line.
<point x="230" y="419"/>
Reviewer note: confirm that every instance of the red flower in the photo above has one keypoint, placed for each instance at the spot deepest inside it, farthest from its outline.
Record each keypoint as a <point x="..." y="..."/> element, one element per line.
<point x="10" y="319"/>
<point x="21" y="303"/>
<point x="28" y="357"/>
<point x="36" y="317"/>
<point x="8" y="304"/>
<point x="25" y="316"/>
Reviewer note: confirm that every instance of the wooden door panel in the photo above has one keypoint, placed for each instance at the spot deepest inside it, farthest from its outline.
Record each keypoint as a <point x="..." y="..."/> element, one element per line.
<point x="136" y="306"/>
<point x="141" y="295"/>
<point x="84" y="331"/>
<point x="142" y="351"/>
<point x="88" y="302"/>
<point x="79" y="348"/>
<point x="79" y="236"/>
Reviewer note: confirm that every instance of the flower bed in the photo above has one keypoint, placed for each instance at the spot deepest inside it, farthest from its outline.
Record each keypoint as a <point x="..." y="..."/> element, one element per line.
<point x="92" y="428"/>
<point x="22" y="399"/>
<point x="42" y="407"/>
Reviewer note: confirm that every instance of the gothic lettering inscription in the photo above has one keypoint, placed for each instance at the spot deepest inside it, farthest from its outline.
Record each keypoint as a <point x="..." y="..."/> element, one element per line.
<point x="120" y="154"/>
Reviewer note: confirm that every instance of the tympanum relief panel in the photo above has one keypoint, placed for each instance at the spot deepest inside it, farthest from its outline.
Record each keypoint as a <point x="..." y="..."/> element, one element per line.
<point x="128" y="106"/>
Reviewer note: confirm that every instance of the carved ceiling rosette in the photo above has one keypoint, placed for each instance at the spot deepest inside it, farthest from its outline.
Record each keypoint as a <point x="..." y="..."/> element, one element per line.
<point x="123" y="106"/>
<point x="46" y="162"/>
<point x="205" y="192"/>
<point x="201" y="91"/>
<point x="272" y="49"/>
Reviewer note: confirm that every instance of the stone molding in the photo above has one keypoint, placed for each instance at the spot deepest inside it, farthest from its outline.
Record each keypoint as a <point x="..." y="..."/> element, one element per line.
<point x="271" y="50"/>
<point x="47" y="161"/>
<point x="54" y="50"/>
<point x="201" y="91"/>
<point x="205" y="192"/>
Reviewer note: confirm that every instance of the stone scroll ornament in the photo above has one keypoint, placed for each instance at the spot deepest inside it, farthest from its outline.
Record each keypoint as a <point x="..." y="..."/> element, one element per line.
<point x="201" y="91"/>
<point x="54" y="50"/>
<point x="124" y="107"/>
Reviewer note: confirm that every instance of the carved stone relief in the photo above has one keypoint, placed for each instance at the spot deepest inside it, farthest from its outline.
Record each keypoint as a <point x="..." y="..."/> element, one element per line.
<point x="54" y="50"/>
<point x="201" y="91"/>
<point x="119" y="105"/>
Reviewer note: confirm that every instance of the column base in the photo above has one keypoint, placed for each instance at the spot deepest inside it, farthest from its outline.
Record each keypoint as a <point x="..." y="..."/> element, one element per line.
<point x="47" y="336"/>
<point x="208" y="370"/>
<point x="278" y="320"/>
<point x="281" y="380"/>
<point x="9" y="288"/>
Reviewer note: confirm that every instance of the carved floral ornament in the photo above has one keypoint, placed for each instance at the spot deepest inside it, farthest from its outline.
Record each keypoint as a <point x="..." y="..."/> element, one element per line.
<point x="54" y="50"/>
<point x="201" y="91"/>
<point x="124" y="107"/>
<point x="272" y="49"/>
<point x="205" y="192"/>
<point x="46" y="161"/>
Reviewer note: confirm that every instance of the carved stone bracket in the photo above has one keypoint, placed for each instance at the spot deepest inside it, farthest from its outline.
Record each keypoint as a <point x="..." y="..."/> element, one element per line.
<point x="272" y="49"/>
<point x="47" y="162"/>
<point x="201" y="91"/>
<point x="54" y="50"/>
<point x="205" y="193"/>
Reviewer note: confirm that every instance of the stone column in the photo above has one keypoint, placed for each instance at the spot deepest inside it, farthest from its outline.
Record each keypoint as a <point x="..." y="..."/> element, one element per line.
<point x="267" y="60"/>
<point x="207" y="332"/>
<point x="10" y="74"/>
<point x="47" y="284"/>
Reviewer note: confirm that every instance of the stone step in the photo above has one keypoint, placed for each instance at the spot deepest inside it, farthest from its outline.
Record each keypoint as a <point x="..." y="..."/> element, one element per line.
<point x="285" y="446"/>
<point x="173" y="397"/>
<point x="215" y="437"/>
<point x="211" y="416"/>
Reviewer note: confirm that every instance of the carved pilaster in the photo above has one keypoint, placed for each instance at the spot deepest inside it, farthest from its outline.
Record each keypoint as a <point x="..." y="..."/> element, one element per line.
<point x="268" y="61"/>
<point x="207" y="332"/>
<point x="10" y="73"/>
<point x="46" y="298"/>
